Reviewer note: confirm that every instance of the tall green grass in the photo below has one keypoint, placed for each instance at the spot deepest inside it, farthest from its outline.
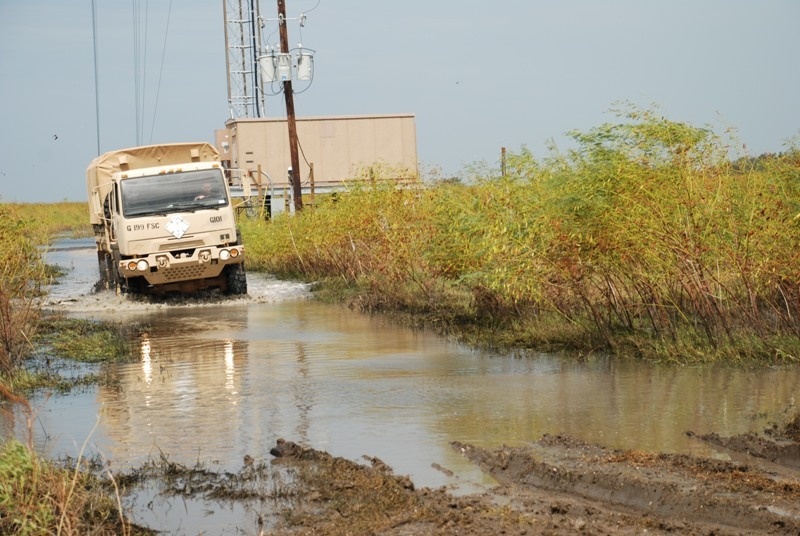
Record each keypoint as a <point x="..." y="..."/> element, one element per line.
<point x="44" y="221"/>
<point x="646" y="239"/>
<point x="22" y="274"/>
<point x="38" y="497"/>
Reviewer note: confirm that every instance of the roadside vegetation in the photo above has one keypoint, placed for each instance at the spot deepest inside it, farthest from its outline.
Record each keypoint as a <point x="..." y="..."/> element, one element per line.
<point x="46" y="221"/>
<point x="39" y="497"/>
<point x="85" y="341"/>
<point x="25" y="232"/>
<point x="23" y="275"/>
<point x="645" y="240"/>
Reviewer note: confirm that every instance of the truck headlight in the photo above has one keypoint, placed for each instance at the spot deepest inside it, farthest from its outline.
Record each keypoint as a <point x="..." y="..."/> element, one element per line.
<point x="142" y="266"/>
<point x="224" y="255"/>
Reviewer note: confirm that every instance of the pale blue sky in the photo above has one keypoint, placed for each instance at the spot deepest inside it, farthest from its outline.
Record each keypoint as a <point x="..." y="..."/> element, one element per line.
<point x="478" y="75"/>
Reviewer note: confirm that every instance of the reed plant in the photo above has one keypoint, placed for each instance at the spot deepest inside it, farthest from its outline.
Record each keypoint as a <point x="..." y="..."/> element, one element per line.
<point x="37" y="496"/>
<point x="22" y="276"/>
<point x="45" y="221"/>
<point x="644" y="239"/>
<point x="664" y="239"/>
<point x="40" y="497"/>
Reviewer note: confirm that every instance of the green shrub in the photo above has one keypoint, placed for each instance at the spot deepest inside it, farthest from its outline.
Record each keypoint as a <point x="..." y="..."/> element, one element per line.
<point x="47" y="220"/>
<point x="644" y="239"/>
<point x="22" y="274"/>
<point x="25" y="508"/>
<point x="39" y="498"/>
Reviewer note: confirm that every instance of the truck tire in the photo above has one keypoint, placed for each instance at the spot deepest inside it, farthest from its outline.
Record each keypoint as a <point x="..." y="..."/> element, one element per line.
<point x="102" y="268"/>
<point x="131" y="285"/>
<point x="235" y="279"/>
<point x="108" y="275"/>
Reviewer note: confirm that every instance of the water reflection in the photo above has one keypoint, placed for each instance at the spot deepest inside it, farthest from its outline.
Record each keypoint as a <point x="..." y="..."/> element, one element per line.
<point x="229" y="369"/>
<point x="183" y="394"/>
<point x="147" y="366"/>
<point x="221" y="382"/>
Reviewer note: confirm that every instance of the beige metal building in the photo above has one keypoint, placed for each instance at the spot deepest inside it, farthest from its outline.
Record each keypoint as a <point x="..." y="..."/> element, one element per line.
<point x="338" y="148"/>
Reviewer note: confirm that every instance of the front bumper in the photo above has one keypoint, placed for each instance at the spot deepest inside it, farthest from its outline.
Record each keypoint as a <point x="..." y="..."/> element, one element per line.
<point x="171" y="267"/>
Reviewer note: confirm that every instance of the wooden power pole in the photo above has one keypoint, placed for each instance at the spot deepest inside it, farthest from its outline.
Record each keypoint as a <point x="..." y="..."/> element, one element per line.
<point x="290" y="118"/>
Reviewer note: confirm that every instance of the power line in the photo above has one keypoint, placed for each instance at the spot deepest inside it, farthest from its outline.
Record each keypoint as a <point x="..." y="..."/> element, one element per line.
<point x="160" y="72"/>
<point x="137" y="71"/>
<point x="96" y="79"/>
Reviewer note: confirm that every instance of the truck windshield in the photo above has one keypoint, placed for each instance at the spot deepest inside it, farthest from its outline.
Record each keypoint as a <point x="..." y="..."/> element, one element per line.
<point x="186" y="191"/>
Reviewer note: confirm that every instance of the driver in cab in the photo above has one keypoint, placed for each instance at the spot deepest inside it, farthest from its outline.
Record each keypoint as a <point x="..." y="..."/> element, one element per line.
<point x="206" y="193"/>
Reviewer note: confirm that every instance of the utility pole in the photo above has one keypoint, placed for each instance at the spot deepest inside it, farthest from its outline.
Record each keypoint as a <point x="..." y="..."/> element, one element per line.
<point x="290" y="118"/>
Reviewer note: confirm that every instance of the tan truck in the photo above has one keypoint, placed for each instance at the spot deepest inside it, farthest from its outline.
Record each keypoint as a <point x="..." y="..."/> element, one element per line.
<point x="163" y="220"/>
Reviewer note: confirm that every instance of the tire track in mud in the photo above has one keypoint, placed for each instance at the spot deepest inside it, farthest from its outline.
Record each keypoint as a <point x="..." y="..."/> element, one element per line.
<point x="680" y="489"/>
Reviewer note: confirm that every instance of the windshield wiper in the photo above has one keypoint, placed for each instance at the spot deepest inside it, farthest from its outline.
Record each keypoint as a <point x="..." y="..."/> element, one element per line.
<point x="184" y="207"/>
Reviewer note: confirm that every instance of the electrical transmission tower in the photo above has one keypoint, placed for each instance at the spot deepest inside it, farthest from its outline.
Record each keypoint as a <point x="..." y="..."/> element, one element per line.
<point x="243" y="43"/>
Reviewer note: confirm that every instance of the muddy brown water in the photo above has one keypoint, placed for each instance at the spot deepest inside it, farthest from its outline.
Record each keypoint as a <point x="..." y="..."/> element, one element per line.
<point x="215" y="381"/>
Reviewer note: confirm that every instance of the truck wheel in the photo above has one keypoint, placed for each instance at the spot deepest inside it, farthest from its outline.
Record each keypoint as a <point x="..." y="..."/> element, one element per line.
<point x="114" y="282"/>
<point x="131" y="285"/>
<point x="108" y="275"/>
<point x="236" y="279"/>
<point x="102" y="268"/>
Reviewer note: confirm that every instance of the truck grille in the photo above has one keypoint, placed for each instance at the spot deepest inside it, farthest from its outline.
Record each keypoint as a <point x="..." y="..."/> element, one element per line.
<point x="183" y="272"/>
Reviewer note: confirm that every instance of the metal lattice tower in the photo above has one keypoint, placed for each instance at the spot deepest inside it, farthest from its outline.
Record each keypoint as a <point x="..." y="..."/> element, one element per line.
<point x="243" y="42"/>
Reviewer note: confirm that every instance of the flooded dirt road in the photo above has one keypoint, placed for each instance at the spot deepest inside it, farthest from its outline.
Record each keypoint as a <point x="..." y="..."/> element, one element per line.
<point x="220" y="381"/>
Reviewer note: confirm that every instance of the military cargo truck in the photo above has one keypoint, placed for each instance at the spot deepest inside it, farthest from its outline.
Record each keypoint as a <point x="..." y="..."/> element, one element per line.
<point x="163" y="220"/>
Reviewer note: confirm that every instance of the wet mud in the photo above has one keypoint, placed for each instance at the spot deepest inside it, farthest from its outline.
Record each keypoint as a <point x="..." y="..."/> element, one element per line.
<point x="573" y="484"/>
<point x="557" y="485"/>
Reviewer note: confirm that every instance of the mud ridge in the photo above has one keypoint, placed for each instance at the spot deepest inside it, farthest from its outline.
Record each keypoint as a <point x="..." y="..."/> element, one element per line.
<point x="674" y="488"/>
<point x="773" y="447"/>
<point x="557" y="485"/>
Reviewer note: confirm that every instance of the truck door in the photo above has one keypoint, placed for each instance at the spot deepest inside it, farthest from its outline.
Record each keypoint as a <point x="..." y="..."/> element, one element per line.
<point x="113" y="213"/>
